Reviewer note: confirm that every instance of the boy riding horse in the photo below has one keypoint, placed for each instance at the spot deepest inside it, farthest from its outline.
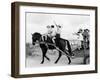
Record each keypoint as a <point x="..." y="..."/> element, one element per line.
<point x="54" y="35"/>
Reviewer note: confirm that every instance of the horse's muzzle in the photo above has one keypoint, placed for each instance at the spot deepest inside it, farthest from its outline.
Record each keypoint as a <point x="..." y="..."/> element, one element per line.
<point x="33" y="43"/>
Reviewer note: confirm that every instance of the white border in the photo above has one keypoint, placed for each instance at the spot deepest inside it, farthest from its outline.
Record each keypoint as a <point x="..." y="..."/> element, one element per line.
<point x="69" y="68"/>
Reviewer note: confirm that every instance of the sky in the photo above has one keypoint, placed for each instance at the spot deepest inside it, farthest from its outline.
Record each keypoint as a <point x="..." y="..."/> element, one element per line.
<point x="37" y="22"/>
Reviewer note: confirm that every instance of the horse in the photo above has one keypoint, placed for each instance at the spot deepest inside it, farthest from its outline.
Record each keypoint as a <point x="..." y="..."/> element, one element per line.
<point x="48" y="44"/>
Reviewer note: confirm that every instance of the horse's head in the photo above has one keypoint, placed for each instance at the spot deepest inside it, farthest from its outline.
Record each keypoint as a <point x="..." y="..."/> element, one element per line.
<point x="36" y="38"/>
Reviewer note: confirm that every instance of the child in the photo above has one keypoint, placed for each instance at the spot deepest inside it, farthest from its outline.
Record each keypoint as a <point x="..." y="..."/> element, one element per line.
<point x="53" y="33"/>
<point x="50" y="33"/>
<point x="58" y="32"/>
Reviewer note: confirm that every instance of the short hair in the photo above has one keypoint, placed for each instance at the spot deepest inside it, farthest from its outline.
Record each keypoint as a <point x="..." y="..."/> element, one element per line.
<point x="87" y="30"/>
<point x="48" y="26"/>
<point x="52" y="26"/>
<point x="59" y="26"/>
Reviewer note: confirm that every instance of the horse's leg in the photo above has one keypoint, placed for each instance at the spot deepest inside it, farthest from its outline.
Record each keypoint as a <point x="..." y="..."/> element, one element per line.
<point x="44" y="50"/>
<point x="58" y="57"/>
<point x="47" y="58"/>
<point x="67" y="57"/>
<point x="69" y="48"/>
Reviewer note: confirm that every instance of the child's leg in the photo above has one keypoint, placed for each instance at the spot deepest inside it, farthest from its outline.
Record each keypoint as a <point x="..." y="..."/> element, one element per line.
<point x="53" y="39"/>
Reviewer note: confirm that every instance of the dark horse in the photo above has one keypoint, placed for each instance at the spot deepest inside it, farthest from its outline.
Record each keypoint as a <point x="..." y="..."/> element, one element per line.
<point x="59" y="43"/>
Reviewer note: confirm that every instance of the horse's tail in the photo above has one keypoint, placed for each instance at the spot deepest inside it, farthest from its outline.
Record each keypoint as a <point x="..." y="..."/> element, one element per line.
<point x="69" y="47"/>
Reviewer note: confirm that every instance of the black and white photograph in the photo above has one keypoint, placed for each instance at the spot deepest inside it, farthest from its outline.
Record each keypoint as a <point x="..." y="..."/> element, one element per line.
<point x="51" y="39"/>
<point x="57" y="39"/>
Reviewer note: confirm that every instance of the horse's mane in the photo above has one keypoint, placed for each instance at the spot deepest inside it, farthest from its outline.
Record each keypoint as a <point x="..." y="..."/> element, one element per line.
<point x="36" y="33"/>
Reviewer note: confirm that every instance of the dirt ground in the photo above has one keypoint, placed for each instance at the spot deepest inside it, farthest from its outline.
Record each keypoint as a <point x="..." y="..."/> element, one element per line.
<point x="34" y="60"/>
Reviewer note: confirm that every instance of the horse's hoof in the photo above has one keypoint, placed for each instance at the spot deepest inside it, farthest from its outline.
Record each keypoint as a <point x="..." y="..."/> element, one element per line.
<point x="55" y="62"/>
<point x="69" y="62"/>
<point x="48" y="59"/>
<point x="41" y="62"/>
